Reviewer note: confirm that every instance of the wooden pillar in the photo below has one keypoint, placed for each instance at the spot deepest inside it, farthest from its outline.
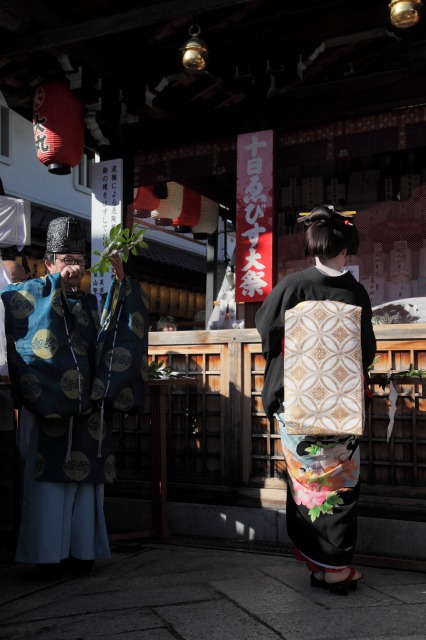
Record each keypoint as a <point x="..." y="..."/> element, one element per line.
<point x="211" y="279"/>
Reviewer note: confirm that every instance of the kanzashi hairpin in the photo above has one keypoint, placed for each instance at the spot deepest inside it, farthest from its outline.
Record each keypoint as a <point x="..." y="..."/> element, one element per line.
<point x="326" y="213"/>
<point x="345" y="214"/>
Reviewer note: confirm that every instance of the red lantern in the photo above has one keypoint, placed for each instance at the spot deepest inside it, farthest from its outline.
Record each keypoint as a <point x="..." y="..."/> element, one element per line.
<point x="191" y="209"/>
<point x="184" y="209"/>
<point x="144" y="201"/>
<point x="58" y="121"/>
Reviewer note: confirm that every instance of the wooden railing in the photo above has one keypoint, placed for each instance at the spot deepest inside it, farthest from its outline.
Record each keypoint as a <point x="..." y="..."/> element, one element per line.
<point x="395" y="464"/>
<point x="220" y="445"/>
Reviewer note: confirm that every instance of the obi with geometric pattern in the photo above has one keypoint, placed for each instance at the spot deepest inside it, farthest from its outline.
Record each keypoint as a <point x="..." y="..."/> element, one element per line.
<point x="323" y="374"/>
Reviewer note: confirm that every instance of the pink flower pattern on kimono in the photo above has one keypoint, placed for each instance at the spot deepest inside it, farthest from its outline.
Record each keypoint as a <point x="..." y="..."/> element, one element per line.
<point x="308" y="497"/>
<point x="318" y="480"/>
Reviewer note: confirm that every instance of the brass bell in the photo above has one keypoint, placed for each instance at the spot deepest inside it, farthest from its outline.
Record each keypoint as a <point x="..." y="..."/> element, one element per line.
<point x="405" y="13"/>
<point x="195" y="52"/>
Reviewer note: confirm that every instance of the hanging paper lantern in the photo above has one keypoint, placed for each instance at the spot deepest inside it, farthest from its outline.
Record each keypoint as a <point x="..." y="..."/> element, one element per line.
<point x="209" y="217"/>
<point x="190" y="213"/>
<point x="184" y="209"/>
<point x="145" y="201"/>
<point x="160" y="189"/>
<point x="171" y="208"/>
<point x="58" y="122"/>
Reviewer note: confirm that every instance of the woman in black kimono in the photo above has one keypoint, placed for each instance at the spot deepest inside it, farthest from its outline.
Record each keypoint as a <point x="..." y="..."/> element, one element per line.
<point x="323" y="471"/>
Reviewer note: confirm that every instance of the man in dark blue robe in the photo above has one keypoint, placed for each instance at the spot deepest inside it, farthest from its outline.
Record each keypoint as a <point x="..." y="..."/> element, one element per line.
<point x="74" y="360"/>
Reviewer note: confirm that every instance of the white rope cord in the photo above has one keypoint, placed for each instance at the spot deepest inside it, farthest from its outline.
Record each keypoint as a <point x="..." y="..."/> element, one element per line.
<point x="71" y="422"/>
<point x="101" y="425"/>
<point x="75" y="361"/>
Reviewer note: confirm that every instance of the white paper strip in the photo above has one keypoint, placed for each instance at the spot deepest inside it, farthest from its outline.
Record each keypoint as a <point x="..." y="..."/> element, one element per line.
<point x="393" y="395"/>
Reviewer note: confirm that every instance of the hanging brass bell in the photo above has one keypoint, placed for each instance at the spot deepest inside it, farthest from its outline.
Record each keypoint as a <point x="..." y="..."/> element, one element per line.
<point x="405" y="13"/>
<point x="195" y="53"/>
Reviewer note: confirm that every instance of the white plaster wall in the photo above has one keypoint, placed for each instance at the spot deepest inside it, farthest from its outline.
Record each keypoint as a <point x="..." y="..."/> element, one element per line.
<point x="24" y="176"/>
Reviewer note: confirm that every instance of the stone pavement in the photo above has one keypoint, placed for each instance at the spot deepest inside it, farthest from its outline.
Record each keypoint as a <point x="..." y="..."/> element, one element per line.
<point x="154" y="591"/>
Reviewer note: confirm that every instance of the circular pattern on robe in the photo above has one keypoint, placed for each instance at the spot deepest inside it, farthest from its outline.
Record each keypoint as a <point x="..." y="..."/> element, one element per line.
<point x="31" y="387"/>
<point x="136" y="324"/>
<point x="40" y="465"/>
<point x="22" y="304"/>
<point x="77" y="344"/>
<point x="98" y="389"/>
<point x="80" y="315"/>
<point x="44" y="344"/>
<point x="109" y="469"/>
<point x="124" y="400"/>
<point x="118" y="358"/>
<point x="78" y="468"/>
<point x="144" y="368"/>
<point x="72" y="383"/>
<point x="54" y="428"/>
<point x="55" y="302"/>
<point x="93" y="425"/>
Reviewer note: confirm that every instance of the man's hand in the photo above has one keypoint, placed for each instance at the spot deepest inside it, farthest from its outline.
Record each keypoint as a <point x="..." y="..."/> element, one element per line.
<point x="117" y="267"/>
<point x="72" y="273"/>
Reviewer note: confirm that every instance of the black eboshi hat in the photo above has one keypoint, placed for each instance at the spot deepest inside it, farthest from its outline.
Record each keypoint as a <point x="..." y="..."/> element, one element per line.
<point x="65" y="235"/>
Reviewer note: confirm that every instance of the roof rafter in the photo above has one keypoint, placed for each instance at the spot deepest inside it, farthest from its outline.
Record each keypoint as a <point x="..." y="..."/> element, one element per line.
<point x="117" y="23"/>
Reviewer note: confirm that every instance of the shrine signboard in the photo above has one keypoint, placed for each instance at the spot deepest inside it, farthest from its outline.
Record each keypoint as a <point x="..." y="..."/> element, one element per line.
<point x="254" y="216"/>
<point x="107" y="212"/>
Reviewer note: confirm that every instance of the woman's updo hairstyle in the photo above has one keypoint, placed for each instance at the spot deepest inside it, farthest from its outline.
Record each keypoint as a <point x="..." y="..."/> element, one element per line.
<point x="328" y="232"/>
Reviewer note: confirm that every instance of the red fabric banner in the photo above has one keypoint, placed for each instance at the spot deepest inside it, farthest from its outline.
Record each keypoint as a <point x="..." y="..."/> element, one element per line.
<point x="255" y="216"/>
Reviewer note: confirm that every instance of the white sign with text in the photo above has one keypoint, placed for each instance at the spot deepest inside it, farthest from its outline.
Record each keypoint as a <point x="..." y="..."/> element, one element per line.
<point x="107" y="212"/>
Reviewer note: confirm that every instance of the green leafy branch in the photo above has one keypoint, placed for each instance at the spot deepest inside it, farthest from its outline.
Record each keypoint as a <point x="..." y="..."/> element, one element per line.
<point x="382" y="379"/>
<point x="375" y="361"/>
<point x="411" y="372"/>
<point x="122" y="242"/>
<point x="159" y="371"/>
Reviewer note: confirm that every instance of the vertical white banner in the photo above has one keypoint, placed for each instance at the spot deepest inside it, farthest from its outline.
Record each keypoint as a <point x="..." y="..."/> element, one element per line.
<point x="107" y="212"/>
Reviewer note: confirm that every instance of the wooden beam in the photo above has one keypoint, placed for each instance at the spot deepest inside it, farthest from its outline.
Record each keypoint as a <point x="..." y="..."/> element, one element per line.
<point x="352" y="96"/>
<point x="117" y="23"/>
<point x="18" y="15"/>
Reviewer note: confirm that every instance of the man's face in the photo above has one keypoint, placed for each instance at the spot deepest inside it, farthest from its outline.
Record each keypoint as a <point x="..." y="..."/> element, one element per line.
<point x="63" y="260"/>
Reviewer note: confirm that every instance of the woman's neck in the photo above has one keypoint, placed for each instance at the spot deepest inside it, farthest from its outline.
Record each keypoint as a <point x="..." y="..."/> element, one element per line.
<point x="332" y="266"/>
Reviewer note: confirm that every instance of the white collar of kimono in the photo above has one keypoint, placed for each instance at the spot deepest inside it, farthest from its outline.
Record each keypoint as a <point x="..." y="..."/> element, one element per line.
<point x="328" y="270"/>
